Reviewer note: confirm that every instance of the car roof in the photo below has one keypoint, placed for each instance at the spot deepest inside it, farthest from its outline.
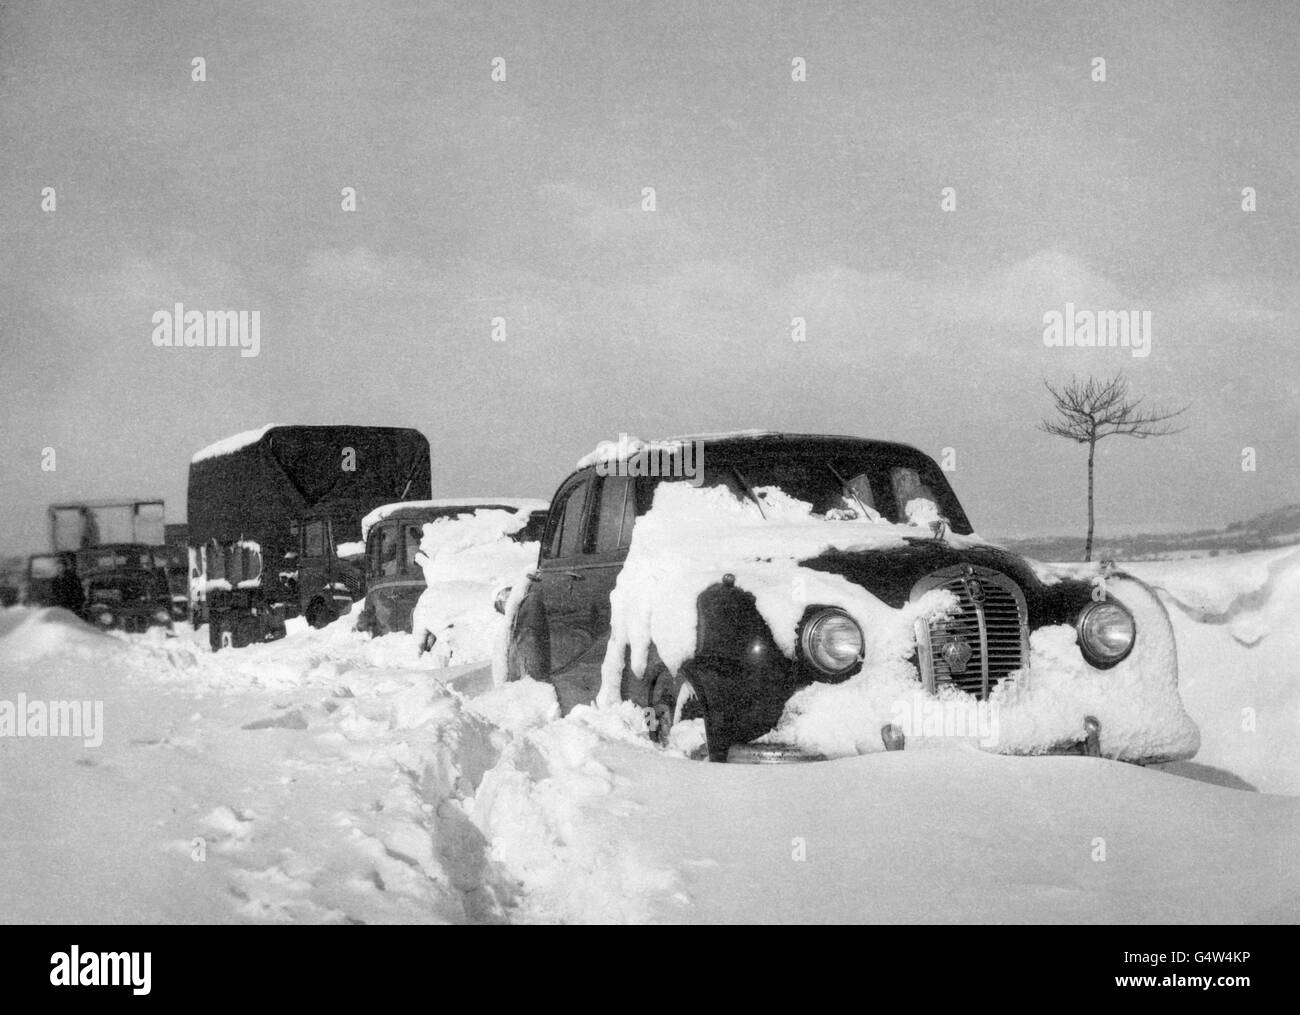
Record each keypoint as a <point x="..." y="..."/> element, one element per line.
<point x="626" y="446"/>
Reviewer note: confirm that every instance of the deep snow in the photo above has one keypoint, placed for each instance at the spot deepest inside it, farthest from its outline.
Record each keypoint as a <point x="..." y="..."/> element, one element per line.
<point x="466" y="560"/>
<point x="328" y="777"/>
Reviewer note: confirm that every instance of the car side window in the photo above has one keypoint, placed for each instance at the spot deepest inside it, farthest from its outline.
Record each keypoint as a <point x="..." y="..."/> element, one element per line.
<point x="566" y="534"/>
<point x="388" y="550"/>
<point x="629" y="516"/>
<point x="414" y="533"/>
<point x="907" y="487"/>
<point x="615" y="515"/>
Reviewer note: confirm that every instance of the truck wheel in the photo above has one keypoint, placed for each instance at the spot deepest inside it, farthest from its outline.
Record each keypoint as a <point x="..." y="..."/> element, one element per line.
<point x="318" y="615"/>
<point x="246" y="632"/>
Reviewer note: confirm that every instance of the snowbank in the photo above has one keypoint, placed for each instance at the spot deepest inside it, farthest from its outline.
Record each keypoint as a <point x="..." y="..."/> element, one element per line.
<point x="28" y="634"/>
<point x="1237" y="624"/>
<point x="550" y="810"/>
<point x="466" y="560"/>
<point x="331" y="778"/>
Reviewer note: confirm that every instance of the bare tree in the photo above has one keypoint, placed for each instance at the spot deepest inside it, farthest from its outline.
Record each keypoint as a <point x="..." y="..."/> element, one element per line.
<point x="1087" y="411"/>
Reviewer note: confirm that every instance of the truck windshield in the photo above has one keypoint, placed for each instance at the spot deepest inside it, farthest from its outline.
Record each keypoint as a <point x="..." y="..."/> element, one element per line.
<point x="115" y="560"/>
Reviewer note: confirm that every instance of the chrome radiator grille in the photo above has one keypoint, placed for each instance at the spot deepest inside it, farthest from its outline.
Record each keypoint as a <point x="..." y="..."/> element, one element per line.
<point x="983" y="641"/>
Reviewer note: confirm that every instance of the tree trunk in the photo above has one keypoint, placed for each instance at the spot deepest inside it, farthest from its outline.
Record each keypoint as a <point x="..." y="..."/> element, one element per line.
<point x="1087" y="550"/>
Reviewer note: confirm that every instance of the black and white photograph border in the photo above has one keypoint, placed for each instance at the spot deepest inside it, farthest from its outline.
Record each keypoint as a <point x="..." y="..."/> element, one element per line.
<point x="648" y="463"/>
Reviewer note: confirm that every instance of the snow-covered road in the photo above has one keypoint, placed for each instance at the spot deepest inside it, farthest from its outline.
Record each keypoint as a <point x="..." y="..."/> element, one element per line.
<point x="328" y="778"/>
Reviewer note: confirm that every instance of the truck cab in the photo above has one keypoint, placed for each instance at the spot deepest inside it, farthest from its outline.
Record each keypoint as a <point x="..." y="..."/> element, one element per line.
<point x="126" y="587"/>
<point x="327" y="574"/>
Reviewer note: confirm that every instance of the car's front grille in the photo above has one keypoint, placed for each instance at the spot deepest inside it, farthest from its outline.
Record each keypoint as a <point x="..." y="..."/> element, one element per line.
<point x="983" y="641"/>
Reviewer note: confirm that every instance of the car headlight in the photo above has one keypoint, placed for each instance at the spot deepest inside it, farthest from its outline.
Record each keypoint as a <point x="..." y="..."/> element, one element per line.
<point x="832" y="642"/>
<point x="1106" y="632"/>
<point x="105" y="618"/>
<point x="162" y="616"/>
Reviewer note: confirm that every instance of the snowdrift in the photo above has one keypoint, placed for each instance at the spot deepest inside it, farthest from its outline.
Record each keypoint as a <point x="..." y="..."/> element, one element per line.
<point x="1236" y="621"/>
<point x="466" y="559"/>
<point x="331" y="778"/>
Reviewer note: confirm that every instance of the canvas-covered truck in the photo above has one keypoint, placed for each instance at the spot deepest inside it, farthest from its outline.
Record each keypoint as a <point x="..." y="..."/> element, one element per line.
<point x="275" y="514"/>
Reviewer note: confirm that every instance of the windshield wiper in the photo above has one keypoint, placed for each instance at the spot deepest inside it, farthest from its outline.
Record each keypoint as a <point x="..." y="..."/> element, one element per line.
<point x="845" y="488"/>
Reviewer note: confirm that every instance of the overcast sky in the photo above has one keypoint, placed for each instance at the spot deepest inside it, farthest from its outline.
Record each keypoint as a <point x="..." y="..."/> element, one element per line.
<point x="775" y="199"/>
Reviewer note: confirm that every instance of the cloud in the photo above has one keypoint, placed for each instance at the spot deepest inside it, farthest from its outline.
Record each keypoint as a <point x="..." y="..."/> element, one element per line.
<point x="595" y="221"/>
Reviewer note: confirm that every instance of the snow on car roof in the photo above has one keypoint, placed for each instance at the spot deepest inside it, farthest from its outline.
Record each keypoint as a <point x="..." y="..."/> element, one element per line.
<point x="513" y="503"/>
<point x="228" y="445"/>
<point x="627" y="446"/>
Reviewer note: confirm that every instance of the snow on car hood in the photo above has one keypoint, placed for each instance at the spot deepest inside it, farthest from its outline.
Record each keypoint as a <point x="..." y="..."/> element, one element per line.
<point x="691" y="537"/>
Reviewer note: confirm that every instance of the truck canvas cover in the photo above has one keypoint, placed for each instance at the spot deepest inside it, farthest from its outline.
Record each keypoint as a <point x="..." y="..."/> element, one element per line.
<point x="250" y="488"/>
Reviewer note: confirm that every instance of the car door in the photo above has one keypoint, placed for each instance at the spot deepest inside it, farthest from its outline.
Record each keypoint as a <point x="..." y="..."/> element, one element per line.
<point x="592" y="569"/>
<point x="559" y="575"/>
<point x="313" y="563"/>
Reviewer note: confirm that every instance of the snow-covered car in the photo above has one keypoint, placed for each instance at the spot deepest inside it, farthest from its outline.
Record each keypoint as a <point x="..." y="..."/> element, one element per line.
<point x="828" y="595"/>
<point x="394" y="577"/>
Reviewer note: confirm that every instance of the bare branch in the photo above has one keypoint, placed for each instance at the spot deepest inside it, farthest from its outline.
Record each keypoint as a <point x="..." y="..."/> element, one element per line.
<point x="1090" y="410"/>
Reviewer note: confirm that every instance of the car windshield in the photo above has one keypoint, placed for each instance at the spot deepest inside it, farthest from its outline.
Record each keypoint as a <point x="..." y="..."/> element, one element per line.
<point x="115" y="560"/>
<point x="842" y="485"/>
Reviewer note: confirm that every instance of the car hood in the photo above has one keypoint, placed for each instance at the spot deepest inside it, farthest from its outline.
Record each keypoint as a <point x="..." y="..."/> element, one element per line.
<point x="890" y="573"/>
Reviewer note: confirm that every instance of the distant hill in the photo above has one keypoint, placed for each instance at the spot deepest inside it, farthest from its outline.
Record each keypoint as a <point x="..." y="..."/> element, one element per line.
<point x="1273" y="528"/>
